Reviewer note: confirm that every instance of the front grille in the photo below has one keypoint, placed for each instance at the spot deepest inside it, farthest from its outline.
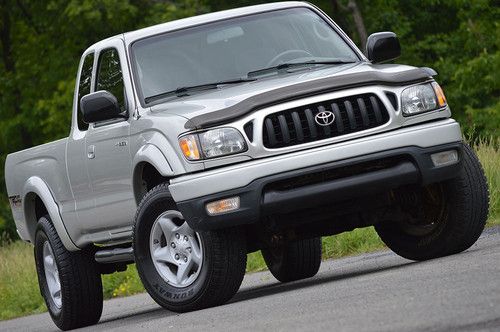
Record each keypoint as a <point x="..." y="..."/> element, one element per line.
<point x="298" y="125"/>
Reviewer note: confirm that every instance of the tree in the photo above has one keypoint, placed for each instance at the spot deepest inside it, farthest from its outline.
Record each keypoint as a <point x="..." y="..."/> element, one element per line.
<point x="39" y="59"/>
<point x="353" y="9"/>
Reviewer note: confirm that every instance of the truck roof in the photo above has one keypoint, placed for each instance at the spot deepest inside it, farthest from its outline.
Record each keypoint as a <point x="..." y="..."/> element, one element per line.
<point x="207" y="18"/>
<point x="132" y="36"/>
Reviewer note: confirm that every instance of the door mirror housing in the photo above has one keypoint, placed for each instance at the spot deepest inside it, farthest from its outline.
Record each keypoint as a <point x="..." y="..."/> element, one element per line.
<point x="100" y="106"/>
<point x="382" y="47"/>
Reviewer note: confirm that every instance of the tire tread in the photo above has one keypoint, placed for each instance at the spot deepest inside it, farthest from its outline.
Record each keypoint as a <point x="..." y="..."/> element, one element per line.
<point x="81" y="285"/>
<point x="467" y="199"/>
<point x="301" y="259"/>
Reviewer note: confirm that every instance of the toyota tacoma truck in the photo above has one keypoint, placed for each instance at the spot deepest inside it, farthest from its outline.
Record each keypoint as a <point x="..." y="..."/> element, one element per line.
<point x="198" y="141"/>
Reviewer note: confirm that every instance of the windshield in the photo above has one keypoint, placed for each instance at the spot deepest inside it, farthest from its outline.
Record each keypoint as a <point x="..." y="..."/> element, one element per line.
<point x="231" y="49"/>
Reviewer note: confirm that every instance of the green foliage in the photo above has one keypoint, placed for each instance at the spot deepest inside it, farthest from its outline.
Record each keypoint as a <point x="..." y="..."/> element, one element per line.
<point x="488" y="151"/>
<point x="7" y="226"/>
<point x="122" y="283"/>
<point x="19" y="293"/>
<point x="351" y="243"/>
<point x="255" y="262"/>
<point x="41" y="46"/>
<point x="460" y="40"/>
<point x="485" y="121"/>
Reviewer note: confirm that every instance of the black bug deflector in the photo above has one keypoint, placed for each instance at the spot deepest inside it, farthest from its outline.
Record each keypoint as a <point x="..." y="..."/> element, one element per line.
<point x="305" y="89"/>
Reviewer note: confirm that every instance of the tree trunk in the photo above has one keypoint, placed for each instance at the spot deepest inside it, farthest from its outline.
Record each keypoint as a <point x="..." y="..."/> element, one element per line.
<point x="352" y="7"/>
<point x="6" y="42"/>
<point x="338" y="14"/>
<point x="359" y="22"/>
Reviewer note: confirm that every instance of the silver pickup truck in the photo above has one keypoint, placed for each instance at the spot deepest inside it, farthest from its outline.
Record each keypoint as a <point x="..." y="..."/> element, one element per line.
<point x="197" y="141"/>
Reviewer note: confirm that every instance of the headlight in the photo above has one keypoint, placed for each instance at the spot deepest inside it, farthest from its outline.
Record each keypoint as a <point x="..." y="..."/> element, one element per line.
<point x="212" y="143"/>
<point x="422" y="98"/>
<point x="220" y="142"/>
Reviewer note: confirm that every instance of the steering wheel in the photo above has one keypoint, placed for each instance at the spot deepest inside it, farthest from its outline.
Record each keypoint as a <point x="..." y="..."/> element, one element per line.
<point x="291" y="54"/>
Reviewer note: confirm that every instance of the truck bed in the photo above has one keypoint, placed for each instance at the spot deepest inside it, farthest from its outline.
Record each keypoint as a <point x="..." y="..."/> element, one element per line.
<point x="46" y="162"/>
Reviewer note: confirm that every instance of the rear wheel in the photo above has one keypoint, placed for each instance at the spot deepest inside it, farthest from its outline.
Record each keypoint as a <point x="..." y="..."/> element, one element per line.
<point x="453" y="216"/>
<point x="294" y="260"/>
<point x="70" y="282"/>
<point x="182" y="269"/>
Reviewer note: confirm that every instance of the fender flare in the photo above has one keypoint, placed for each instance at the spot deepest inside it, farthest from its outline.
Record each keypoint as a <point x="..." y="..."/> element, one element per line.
<point x="151" y="154"/>
<point x="37" y="186"/>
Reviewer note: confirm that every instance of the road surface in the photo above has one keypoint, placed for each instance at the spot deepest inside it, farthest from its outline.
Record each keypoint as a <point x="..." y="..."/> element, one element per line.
<point x="372" y="292"/>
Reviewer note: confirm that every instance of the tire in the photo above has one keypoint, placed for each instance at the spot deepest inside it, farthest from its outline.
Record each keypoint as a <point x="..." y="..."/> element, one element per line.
<point x="80" y="298"/>
<point x="294" y="260"/>
<point x="464" y="214"/>
<point x="211" y="282"/>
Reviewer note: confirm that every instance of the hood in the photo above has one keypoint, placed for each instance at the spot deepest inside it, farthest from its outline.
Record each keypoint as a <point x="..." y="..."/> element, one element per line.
<point x="211" y="107"/>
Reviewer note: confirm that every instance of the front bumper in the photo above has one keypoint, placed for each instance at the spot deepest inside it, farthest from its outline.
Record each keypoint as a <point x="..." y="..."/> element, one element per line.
<point x="405" y="154"/>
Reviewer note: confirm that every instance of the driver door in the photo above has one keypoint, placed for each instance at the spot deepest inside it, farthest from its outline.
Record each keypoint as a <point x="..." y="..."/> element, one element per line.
<point x="109" y="160"/>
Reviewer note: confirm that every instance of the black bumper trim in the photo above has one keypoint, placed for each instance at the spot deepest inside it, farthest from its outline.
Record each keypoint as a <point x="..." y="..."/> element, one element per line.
<point x="258" y="199"/>
<point x="308" y="196"/>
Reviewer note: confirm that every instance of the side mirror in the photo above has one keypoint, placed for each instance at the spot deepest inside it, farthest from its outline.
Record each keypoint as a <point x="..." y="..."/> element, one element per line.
<point x="100" y="106"/>
<point x="382" y="46"/>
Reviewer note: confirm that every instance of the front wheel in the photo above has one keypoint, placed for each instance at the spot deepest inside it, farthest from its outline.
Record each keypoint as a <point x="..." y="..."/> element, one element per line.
<point x="184" y="270"/>
<point x="453" y="216"/>
<point x="70" y="282"/>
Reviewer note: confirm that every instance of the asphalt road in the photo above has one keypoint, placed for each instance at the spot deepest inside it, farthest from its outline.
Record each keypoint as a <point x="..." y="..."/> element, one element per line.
<point x="373" y="292"/>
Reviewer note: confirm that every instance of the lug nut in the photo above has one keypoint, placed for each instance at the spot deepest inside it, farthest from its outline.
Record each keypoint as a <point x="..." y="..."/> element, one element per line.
<point x="177" y="256"/>
<point x="173" y="245"/>
<point x="177" y="236"/>
<point x="185" y="238"/>
<point x="185" y="259"/>
<point x="189" y="249"/>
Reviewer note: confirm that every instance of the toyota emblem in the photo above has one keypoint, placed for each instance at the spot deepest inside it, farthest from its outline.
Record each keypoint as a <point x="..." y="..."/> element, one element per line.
<point x="325" y="118"/>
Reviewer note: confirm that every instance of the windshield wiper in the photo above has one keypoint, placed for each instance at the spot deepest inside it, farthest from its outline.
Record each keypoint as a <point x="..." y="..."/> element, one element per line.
<point x="289" y="65"/>
<point x="184" y="91"/>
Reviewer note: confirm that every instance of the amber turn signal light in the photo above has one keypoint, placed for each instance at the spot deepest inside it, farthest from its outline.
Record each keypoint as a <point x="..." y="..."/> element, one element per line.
<point x="439" y="94"/>
<point x="189" y="147"/>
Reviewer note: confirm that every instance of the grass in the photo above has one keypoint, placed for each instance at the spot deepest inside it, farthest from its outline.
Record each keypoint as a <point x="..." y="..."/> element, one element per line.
<point x="488" y="152"/>
<point x="19" y="293"/>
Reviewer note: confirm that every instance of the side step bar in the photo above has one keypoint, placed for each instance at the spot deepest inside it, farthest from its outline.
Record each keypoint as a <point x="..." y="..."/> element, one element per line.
<point x="116" y="255"/>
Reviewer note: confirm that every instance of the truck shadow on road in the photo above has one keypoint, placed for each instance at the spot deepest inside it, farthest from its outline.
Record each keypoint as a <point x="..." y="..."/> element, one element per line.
<point x="323" y="278"/>
<point x="258" y="291"/>
<point x="136" y="318"/>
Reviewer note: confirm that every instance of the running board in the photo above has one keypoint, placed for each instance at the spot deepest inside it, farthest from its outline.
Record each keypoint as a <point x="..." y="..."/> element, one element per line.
<point x="116" y="255"/>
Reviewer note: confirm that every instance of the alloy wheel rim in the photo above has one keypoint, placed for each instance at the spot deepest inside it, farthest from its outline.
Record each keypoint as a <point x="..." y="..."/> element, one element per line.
<point x="434" y="205"/>
<point x="176" y="249"/>
<point x="52" y="275"/>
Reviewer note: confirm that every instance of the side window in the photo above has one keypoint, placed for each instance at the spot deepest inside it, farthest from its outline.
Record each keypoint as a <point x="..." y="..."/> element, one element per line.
<point x="109" y="75"/>
<point x="84" y="88"/>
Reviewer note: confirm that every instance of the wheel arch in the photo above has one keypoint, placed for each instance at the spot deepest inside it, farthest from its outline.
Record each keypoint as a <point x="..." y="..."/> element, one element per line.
<point x="39" y="201"/>
<point x="150" y="169"/>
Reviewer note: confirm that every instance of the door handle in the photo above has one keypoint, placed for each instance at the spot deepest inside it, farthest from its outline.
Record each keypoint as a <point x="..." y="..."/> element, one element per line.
<point x="91" y="152"/>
